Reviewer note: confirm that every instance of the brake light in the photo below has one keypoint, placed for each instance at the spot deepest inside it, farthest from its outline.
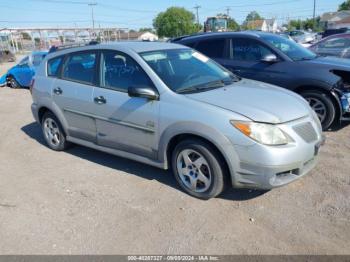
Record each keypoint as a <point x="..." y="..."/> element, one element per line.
<point x="31" y="85"/>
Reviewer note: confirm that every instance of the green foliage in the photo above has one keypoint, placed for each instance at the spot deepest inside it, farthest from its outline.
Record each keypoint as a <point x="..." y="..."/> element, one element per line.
<point x="175" y="21"/>
<point x="344" y="6"/>
<point x="306" y="24"/>
<point x="252" y="16"/>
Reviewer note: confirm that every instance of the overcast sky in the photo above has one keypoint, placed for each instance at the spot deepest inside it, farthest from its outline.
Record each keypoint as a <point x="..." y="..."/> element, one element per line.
<point x="140" y="13"/>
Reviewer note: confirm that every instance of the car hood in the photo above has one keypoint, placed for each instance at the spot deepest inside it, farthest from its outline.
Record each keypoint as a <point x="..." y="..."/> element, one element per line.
<point x="331" y="62"/>
<point x="256" y="100"/>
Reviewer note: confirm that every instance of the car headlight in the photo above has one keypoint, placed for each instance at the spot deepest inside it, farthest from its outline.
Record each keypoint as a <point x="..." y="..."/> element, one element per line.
<point x="266" y="134"/>
<point x="317" y="120"/>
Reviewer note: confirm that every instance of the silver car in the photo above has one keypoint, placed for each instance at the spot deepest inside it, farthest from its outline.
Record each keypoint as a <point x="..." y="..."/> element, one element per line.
<point x="169" y="106"/>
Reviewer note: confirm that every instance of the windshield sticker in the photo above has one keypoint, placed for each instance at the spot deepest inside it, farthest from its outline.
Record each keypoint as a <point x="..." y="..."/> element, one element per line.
<point x="154" y="57"/>
<point x="200" y="57"/>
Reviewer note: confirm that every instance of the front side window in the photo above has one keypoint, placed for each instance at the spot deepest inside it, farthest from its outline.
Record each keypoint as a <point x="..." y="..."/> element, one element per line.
<point x="185" y="70"/>
<point x="290" y="48"/>
<point x="248" y="50"/>
<point x="80" y="67"/>
<point x="119" y="72"/>
<point x="53" y="66"/>
<point x="213" y="47"/>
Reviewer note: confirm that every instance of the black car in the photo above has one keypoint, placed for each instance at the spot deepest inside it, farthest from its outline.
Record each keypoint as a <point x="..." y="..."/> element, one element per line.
<point x="323" y="81"/>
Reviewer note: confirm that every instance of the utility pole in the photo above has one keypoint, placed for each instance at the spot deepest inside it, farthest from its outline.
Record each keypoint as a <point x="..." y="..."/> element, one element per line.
<point x="197" y="7"/>
<point x="314" y="15"/>
<point x="228" y="9"/>
<point x="92" y="15"/>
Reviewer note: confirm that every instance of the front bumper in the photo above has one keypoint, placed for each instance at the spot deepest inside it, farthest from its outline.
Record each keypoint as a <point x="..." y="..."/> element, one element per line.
<point x="267" y="167"/>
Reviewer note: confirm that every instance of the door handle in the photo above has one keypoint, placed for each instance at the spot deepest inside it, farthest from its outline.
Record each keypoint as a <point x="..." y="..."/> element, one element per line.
<point x="58" y="91"/>
<point x="100" y="100"/>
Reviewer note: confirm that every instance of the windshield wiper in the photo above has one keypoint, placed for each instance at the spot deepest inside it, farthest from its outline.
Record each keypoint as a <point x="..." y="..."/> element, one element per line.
<point x="209" y="85"/>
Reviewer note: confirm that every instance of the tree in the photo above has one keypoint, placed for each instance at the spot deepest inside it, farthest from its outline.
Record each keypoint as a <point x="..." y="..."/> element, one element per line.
<point x="175" y="21"/>
<point x="231" y="23"/>
<point x="306" y="24"/>
<point x="252" y="16"/>
<point x="344" y="6"/>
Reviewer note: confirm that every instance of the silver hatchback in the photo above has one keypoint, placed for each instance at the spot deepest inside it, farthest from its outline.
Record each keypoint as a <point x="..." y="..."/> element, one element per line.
<point x="167" y="105"/>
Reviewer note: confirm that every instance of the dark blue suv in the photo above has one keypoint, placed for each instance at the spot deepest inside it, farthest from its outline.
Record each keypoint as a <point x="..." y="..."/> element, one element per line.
<point x="323" y="81"/>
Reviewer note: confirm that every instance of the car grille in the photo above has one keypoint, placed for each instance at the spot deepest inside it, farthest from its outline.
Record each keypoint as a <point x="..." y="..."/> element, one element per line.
<point x="306" y="131"/>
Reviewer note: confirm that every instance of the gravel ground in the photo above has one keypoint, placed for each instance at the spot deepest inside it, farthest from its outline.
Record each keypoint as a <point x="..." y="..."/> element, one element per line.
<point x="87" y="202"/>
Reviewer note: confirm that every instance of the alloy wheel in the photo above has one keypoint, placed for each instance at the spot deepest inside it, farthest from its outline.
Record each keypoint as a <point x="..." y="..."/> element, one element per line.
<point x="52" y="132"/>
<point x="194" y="170"/>
<point x="318" y="106"/>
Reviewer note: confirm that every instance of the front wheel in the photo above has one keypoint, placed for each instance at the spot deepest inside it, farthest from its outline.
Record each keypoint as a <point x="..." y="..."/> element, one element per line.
<point x="198" y="168"/>
<point x="323" y="105"/>
<point x="12" y="82"/>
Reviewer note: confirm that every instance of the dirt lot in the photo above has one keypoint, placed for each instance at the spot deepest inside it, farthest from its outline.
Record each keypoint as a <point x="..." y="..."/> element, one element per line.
<point x="86" y="202"/>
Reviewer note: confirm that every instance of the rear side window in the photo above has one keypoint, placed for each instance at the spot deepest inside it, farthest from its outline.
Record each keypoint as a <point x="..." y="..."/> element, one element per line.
<point x="213" y="48"/>
<point x="53" y="66"/>
<point x="80" y="67"/>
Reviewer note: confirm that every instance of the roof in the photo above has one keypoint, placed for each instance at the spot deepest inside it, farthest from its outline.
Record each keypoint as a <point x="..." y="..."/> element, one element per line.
<point x="345" y="20"/>
<point x="140" y="46"/>
<point x="39" y="52"/>
<point x="136" y="46"/>
<point x="335" y="16"/>
<point x="255" y="24"/>
<point x="255" y="34"/>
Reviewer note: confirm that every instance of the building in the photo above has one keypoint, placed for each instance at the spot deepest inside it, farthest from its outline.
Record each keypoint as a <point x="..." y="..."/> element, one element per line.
<point x="141" y="36"/>
<point x="265" y="25"/>
<point x="336" y="20"/>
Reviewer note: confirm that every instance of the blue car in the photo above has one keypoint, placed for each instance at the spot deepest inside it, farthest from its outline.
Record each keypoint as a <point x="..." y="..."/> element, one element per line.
<point x="21" y="74"/>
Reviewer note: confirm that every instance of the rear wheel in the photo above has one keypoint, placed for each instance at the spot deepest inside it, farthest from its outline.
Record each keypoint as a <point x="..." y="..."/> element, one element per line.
<point x="53" y="132"/>
<point x="323" y="105"/>
<point x="198" y="169"/>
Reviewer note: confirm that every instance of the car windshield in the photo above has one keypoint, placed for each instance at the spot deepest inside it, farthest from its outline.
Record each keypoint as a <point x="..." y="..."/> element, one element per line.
<point x="185" y="70"/>
<point x="293" y="50"/>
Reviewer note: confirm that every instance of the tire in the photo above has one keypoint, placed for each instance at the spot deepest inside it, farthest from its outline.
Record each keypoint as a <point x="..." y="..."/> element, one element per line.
<point x="12" y="83"/>
<point x="202" y="159"/>
<point x="323" y="105"/>
<point x="53" y="132"/>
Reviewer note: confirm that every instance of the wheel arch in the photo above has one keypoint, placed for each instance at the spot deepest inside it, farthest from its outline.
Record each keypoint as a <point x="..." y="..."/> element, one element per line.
<point x="218" y="141"/>
<point x="330" y="92"/>
<point x="42" y="109"/>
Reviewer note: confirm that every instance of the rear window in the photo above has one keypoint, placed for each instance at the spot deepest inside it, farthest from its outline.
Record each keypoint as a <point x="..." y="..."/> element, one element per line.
<point x="53" y="66"/>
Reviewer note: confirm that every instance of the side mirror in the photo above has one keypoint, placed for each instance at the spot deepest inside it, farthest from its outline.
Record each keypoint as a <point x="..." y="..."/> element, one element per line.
<point x="143" y="91"/>
<point x="270" y="58"/>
